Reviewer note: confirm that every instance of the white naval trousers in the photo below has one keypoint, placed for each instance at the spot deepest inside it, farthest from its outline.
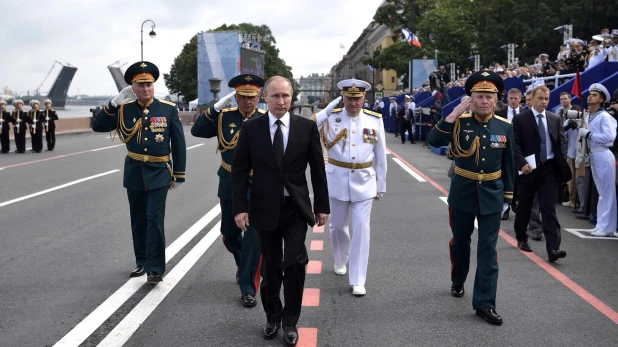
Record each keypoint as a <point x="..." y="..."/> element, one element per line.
<point x="358" y="251"/>
<point x="603" y="165"/>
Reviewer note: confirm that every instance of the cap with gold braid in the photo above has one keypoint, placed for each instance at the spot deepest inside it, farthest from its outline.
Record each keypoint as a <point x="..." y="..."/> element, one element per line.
<point x="353" y="87"/>
<point x="246" y="84"/>
<point x="141" y="72"/>
<point x="484" y="81"/>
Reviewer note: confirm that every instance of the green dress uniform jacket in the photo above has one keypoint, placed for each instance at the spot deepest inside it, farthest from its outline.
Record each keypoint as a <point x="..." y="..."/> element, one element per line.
<point x="225" y="125"/>
<point x="151" y="132"/>
<point x="483" y="155"/>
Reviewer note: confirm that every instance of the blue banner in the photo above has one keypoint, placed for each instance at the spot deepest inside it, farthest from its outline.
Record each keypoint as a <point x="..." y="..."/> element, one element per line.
<point x="218" y="56"/>
<point x="422" y="69"/>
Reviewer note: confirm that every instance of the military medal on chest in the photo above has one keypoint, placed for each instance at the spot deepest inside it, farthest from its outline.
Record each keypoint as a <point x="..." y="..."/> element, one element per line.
<point x="159" y="138"/>
<point x="158" y="124"/>
<point x="232" y="126"/>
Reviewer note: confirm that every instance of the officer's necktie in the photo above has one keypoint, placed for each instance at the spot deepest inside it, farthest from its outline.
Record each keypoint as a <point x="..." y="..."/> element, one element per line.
<point x="513" y="114"/>
<point x="278" y="149"/>
<point x="543" y="157"/>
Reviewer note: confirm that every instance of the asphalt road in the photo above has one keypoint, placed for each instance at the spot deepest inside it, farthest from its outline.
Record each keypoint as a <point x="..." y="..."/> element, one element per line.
<point x="66" y="253"/>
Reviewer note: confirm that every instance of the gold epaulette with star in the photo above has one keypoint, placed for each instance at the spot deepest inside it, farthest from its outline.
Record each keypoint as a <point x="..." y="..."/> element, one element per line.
<point x="262" y="111"/>
<point x="167" y="102"/>
<point x="502" y="119"/>
<point x="229" y="109"/>
<point x="375" y="114"/>
<point x="466" y="115"/>
<point x="337" y="110"/>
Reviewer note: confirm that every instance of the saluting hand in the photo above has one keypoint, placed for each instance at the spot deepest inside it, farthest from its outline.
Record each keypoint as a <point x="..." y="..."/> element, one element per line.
<point x="458" y="111"/>
<point x="242" y="221"/>
<point x="321" y="218"/>
<point x="224" y="101"/>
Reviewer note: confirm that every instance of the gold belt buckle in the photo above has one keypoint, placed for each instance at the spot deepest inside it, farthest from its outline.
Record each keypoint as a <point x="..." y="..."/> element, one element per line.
<point x="480" y="177"/>
<point x="146" y="157"/>
<point x="353" y="166"/>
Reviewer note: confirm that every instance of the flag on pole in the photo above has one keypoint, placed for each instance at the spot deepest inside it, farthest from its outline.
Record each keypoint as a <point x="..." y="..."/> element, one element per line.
<point x="577" y="86"/>
<point x="371" y="68"/>
<point x="411" y="38"/>
<point x="341" y="46"/>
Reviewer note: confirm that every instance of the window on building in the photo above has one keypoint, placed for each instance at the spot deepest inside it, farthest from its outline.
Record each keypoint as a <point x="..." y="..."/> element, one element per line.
<point x="393" y="79"/>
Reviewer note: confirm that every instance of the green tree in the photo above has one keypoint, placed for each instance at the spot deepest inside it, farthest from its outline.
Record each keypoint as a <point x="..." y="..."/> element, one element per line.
<point x="183" y="72"/>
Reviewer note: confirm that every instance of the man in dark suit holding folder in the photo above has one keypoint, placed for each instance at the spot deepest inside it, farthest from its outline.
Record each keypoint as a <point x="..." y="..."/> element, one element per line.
<point x="278" y="148"/>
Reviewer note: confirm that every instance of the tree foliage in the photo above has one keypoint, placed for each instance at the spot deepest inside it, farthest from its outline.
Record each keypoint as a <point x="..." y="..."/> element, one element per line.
<point x="183" y="72"/>
<point x="455" y="26"/>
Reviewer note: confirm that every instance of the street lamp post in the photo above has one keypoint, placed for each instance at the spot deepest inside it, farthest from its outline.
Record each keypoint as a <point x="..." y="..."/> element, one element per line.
<point x="152" y="34"/>
<point x="400" y="9"/>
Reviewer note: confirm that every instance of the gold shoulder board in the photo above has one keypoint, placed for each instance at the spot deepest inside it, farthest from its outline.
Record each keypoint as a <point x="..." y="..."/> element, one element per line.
<point x="466" y="115"/>
<point x="337" y="110"/>
<point x="167" y="102"/>
<point x="229" y="109"/>
<point x="262" y="111"/>
<point x="502" y="119"/>
<point x="375" y="114"/>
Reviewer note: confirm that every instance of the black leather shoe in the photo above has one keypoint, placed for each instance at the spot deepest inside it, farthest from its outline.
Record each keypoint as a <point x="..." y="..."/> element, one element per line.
<point x="505" y="215"/>
<point x="271" y="330"/>
<point x="582" y="217"/>
<point x="154" y="277"/>
<point x="248" y="300"/>
<point x="138" y="271"/>
<point x="523" y="245"/>
<point x="490" y="315"/>
<point x="536" y="236"/>
<point x="457" y="291"/>
<point x="290" y="336"/>
<point x="556" y="254"/>
<point x="577" y="211"/>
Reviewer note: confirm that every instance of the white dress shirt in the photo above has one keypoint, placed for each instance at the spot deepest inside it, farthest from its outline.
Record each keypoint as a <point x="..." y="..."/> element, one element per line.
<point x="509" y="114"/>
<point x="548" y="146"/>
<point x="285" y="131"/>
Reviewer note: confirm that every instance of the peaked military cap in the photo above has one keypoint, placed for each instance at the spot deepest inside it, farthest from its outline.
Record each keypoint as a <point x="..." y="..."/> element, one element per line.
<point x="47" y="101"/>
<point x="141" y="72"/>
<point x="599" y="88"/>
<point x="32" y="102"/>
<point x="615" y="33"/>
<point x="353" y="87"/>
<point x="246" y="84"/>
<point x="18" y="101"/>
<point x="484" y="81"/>
<point x="2" y="102"/>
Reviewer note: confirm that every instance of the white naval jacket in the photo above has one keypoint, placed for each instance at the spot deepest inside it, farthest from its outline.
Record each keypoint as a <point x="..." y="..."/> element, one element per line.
<point x="355" y="184"/>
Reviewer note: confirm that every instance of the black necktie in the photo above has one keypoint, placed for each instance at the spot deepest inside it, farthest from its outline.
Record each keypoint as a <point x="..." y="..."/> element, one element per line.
<point x="543" y="138"/>
<point x="278" y="143"/>
<point x="513" y="114"/>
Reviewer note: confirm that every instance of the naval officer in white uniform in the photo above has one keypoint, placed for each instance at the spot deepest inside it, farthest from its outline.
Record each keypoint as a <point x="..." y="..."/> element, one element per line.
<point x="601" y="133"/>
<point x="356" y="175"/>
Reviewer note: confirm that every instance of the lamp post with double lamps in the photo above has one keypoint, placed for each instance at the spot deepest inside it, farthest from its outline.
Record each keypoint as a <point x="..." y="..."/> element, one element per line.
<point x="152" y="34"/>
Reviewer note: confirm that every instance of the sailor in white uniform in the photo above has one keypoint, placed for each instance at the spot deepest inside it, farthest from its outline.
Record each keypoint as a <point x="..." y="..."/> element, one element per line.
<point x="356" y="175"/>
<point x="601" y="133"/>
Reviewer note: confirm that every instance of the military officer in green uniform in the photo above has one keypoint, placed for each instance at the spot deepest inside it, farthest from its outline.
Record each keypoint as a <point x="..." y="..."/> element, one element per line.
<point x="226" y="124"/>
<point x="151" y="130"/>
<point x="481" y="144"/>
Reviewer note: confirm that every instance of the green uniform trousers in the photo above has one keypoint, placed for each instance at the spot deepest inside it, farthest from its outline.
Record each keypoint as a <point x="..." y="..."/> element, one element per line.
<point x="244" y="247"/>
<point x="147" y="224"/>
<point x="486" y="278"/>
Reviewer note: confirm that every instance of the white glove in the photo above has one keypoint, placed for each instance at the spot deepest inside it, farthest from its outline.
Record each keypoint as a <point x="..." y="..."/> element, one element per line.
<point x="224" y="101"/>
<point x="583" y="132"/>
<point x="504" y="207"/>
<point x="124" y="96"/>
<point x="176" y="185"/>
<point x="329" y="109"/>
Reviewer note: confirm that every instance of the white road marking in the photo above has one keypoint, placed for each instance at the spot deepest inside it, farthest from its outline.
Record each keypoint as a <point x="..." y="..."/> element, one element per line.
<point x="201" y="144"/>
<point x="108" y="147"/>
<point x="388" y="152"/>
<point x="408" y="170"/>
<point x="127" y="327"/>
<point x="92" y="322"/>
<point x="56" y="188"/>
<point x="29" y="148"/>
<point x="580" y="234"/>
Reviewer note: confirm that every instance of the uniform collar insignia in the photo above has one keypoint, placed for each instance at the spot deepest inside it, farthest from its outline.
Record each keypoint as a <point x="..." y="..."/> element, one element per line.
<point x="232" y="125"/>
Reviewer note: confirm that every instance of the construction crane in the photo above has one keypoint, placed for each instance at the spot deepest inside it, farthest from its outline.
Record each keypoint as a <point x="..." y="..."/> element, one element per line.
<point x="37" y="92"/>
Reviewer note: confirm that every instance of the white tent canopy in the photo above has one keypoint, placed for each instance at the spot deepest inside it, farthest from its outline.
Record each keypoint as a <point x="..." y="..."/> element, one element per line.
<point x="193" y="104"/>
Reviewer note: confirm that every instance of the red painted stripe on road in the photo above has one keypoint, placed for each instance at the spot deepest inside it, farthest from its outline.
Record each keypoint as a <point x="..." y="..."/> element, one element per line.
<point x="57" y="157"/>
<point x="318" y="230"/>
<point x="311" y="297"/>
<point x="557" y="274"/>
<point x="314" y="267"/>
<point x="307" y="337"/>
<point x="316" y="245"/>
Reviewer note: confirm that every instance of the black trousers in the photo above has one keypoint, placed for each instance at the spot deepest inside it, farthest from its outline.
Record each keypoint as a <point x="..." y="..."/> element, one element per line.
<point x="546" y="185"/>
<point x="4" y="140"/>
<point x="37" y="140"/>
<point x="20" y="140"/>
<point x="284" y="266"/>
<point x="397" y="126"/>
<point x="50" y="136"/>
<point x="406" y="125"/>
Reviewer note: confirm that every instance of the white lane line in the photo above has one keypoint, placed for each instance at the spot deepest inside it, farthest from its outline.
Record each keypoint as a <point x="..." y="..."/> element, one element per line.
<point x="408" y="170"/>
<point x="580" y="234"/>
<point x="388" y="152"/>
<point x="56" y="188"/>
<point x="92" y="322"/>
<point x="201" y="144"/>
<point x="129" y="325"/>
<point x="108" y="147"/>
<point x="445" y="200"/>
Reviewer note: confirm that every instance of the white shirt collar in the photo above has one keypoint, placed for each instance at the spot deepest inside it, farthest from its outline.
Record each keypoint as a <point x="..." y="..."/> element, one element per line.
<point x="285" y="119"/>
<point x="513" y="109"/>
<point x="536" y="113"/>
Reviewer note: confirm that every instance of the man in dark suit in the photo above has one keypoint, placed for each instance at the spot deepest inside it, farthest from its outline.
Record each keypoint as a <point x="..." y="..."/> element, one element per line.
<point x="539" y="132"/>
<point x="277" y="148"/>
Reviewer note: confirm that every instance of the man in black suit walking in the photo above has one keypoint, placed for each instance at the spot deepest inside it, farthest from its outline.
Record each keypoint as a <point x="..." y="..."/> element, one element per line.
<point x="539" y="132"/>
<point x="277" y="148"/>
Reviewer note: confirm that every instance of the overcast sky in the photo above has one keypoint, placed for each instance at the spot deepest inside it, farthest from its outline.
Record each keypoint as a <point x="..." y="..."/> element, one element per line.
<point x="91" y="34"/>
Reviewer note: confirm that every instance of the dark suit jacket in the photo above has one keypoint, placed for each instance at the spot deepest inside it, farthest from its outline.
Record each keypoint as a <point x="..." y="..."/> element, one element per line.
<point x="255" y="152"/>
<point x="528" y="142"/>
<point x="503" y="112"/>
